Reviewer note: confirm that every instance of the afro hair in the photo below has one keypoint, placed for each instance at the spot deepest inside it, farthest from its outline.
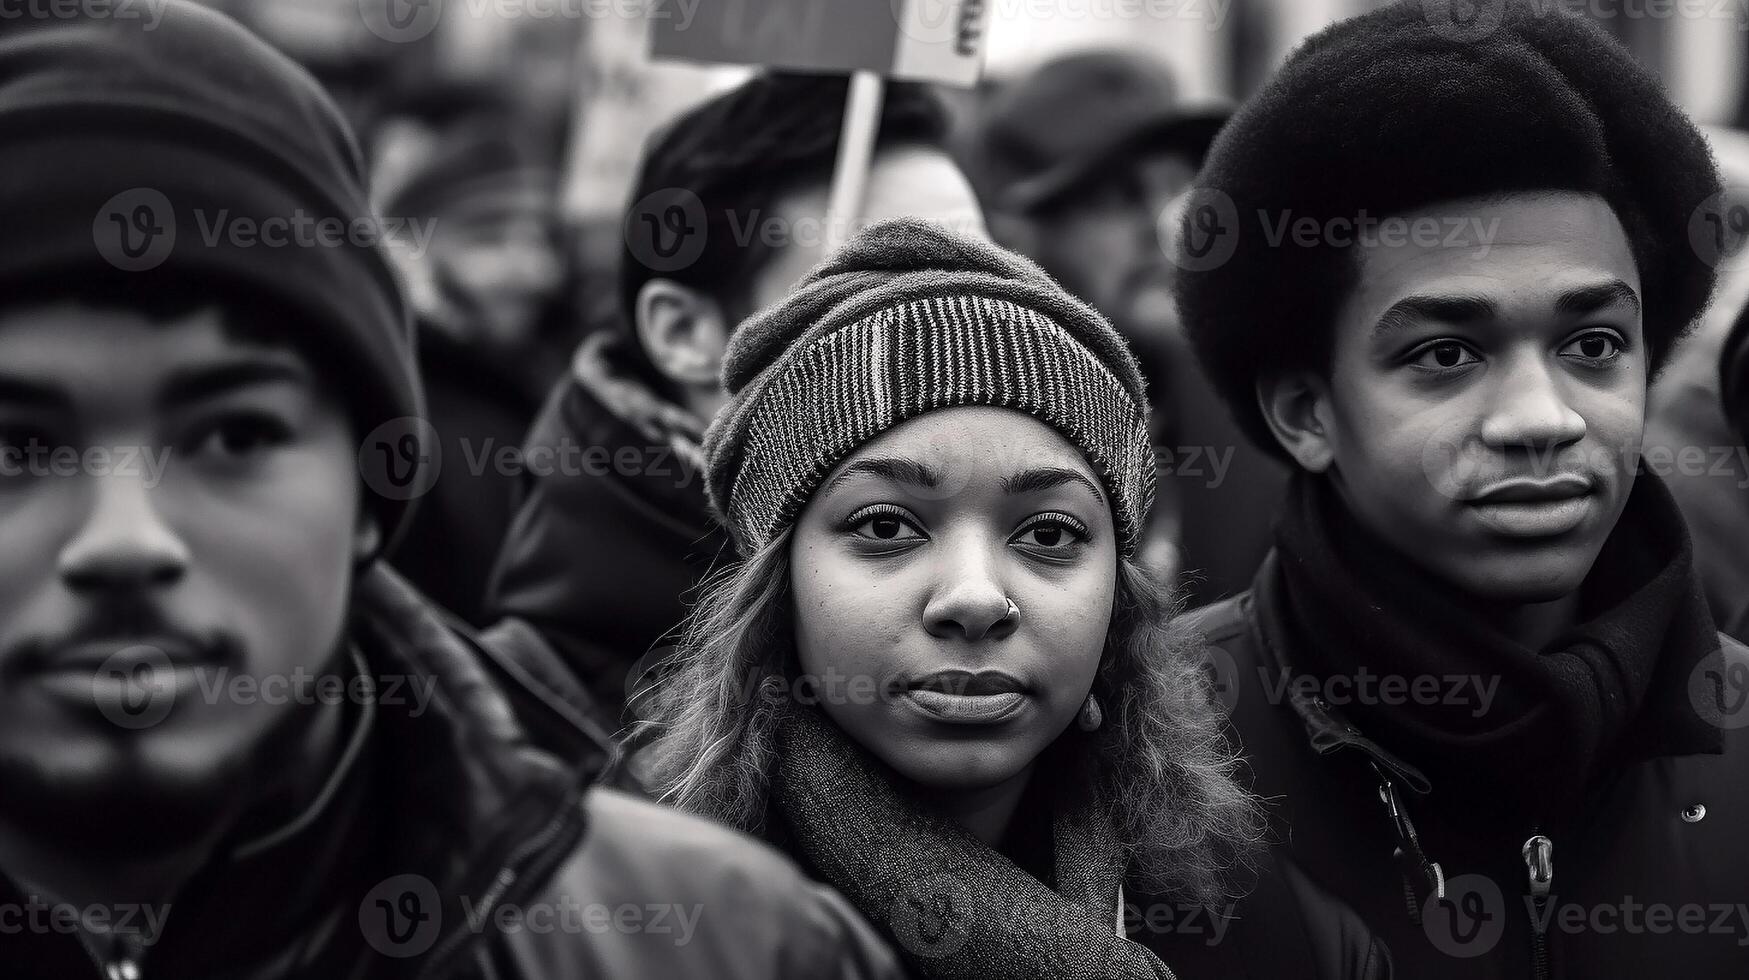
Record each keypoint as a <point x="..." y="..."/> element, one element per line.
<point x="1407" y="107"/>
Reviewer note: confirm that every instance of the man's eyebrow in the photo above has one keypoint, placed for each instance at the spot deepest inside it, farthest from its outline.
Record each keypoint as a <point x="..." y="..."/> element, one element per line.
<point x="193" y="384"/>
<point x="21" y="391"/>
<point x="890" y="468"/>
<point x="1590" y="299"/>
<point x="1047" y="478"/>
<point x="1443" y="309"/>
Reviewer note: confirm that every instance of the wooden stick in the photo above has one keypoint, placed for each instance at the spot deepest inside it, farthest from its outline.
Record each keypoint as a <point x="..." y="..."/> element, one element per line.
<point x="862" y="116"/>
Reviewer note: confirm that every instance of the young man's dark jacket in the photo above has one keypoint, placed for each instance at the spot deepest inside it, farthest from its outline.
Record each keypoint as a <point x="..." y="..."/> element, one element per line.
<point x="608" y="547"/>
<point x="1644" y="795"/>
<point x="446" y="818"/>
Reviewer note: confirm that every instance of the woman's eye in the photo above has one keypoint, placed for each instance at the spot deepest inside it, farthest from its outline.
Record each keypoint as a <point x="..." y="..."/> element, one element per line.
<point x="1443" y="355"/>
<point x="1053" y="533"/>
<point x="239" y="435"/>
<point x="1594" y="347"/>
<point x="884" y="526"/>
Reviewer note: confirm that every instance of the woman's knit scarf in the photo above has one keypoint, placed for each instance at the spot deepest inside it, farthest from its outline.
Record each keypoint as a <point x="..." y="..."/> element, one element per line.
<point x="953" y="905"/>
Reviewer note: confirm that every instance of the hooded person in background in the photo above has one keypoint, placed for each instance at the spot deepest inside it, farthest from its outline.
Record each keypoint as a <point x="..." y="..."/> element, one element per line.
<point x="492" y="286"/>
<point x="728" y="211"/>
<point x="233" y="742"/>
<point x="1078" y="164"/>
<point x="1477" y="670"/>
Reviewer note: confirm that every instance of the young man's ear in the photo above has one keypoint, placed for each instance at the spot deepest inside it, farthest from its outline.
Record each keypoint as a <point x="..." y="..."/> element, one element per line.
<point x="683" y="331"/>
<point x="1297" y="408"/>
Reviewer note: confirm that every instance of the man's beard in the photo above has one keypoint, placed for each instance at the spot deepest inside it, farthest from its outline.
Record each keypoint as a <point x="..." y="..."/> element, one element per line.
<point x="149" y="795"/>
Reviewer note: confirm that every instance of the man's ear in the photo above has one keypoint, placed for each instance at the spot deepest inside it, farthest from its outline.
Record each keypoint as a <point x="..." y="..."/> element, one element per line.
<point x="1297" y="408"/>
<point x="683" y="331"/>
<point x="367" y="538"/>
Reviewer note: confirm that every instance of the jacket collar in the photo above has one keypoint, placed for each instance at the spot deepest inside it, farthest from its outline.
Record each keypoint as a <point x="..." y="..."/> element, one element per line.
<point x="1328" y="730"/>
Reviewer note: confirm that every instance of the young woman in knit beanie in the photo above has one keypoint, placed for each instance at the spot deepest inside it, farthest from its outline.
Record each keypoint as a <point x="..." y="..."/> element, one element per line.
<point x="940" y="679"/>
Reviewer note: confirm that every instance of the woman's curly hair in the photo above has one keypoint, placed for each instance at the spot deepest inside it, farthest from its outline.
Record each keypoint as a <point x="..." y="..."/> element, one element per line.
<point x="1167" y="773"/>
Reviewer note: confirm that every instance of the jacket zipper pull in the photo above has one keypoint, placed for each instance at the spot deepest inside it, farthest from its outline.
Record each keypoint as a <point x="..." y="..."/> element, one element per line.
<point x="1539" y="861"/>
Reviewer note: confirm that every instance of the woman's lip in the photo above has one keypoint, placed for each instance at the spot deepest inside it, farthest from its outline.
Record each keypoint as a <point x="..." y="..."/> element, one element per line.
<point x="966" y="709"/>
<point x="1534" y="519"/>
<point x="965" y="682"/>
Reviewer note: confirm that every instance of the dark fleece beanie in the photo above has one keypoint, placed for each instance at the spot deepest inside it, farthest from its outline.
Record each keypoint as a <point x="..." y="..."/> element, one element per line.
<point x="1409" y="106"/>
<point x="134" y="149"/>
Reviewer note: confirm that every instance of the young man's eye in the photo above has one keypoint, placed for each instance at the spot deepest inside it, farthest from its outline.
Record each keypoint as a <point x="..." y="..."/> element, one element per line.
<point x="884" y="523"/>
<point x="1599" y="346"/>
<point x="1051" y="533"/>
<point x="238" y="435"/>
<point x="1443" y="355"/>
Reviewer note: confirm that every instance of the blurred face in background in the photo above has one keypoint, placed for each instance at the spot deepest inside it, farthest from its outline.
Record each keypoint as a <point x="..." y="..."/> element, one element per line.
<point x="903" y="181"/>
<point x="498" y="265"/>
<point x="1102" y="242"/>
<point x="685" y="331"/>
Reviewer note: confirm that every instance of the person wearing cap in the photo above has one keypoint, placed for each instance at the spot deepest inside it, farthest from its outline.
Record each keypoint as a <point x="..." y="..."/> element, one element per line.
<point x="1477" y="670"/>
<point x="941" y="678"/>
<point x="495" y="328"/>
<point x="1079" y="163"/>
<point x="727" y="212"/>
<point x="233" y="742"/>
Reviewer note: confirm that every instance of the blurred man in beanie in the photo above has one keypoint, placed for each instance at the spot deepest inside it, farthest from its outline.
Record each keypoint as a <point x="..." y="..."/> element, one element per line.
<point x="217" y="701"/>
<point x="1078" y="164"/>
<point x="492" y="321"/>
<point x="728" y="211"/>
<point x="1447" y="254"/>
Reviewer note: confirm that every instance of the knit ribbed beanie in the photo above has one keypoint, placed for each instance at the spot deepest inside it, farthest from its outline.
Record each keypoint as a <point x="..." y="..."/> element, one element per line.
<point x="140" y="148"/>
<point x="905" y="319"/>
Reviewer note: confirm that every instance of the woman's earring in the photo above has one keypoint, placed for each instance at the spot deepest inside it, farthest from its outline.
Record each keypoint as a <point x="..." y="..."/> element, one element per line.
<point x="1090" y="717"/>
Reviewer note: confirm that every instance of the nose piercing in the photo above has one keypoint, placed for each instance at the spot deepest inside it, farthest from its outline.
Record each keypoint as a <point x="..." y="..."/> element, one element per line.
<point x="1012" y="613"/>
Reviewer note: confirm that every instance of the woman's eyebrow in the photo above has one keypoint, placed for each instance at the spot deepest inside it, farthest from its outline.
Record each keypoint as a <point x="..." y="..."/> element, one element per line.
<point x="1046" y="478"/>
<point x="890" y="468"/>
